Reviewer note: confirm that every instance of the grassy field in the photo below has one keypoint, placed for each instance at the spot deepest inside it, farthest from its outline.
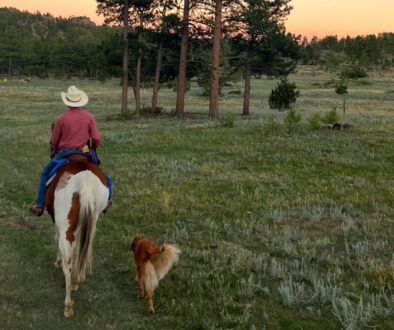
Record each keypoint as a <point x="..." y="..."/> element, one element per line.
<point x="279" y="228"/>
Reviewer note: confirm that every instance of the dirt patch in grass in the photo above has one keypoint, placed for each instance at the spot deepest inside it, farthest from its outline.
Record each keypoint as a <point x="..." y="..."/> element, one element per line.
<point x="322" y="228"/>
<point x="21" y="223"/>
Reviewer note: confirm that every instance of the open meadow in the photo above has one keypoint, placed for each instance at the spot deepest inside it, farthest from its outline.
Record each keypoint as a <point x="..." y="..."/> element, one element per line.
<point x="280" y="227"/>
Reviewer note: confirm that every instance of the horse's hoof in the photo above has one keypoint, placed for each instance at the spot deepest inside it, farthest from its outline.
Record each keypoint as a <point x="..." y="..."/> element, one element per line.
<point x="68" y="312"/>
<point x="58" y="263"/>
<point x="74" y="287"/>
<point x="151" y="310"/>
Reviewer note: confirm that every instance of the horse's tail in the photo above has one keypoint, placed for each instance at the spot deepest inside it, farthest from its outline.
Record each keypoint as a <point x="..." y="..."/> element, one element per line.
<point x="87" y="225"/>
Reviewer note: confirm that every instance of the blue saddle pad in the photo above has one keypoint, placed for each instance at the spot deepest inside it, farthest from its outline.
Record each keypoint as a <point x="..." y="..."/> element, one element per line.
<point x="58" y="163"/>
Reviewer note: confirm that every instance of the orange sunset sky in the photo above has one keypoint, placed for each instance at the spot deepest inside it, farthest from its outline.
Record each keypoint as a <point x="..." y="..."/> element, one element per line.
<point x="308" y="18"/>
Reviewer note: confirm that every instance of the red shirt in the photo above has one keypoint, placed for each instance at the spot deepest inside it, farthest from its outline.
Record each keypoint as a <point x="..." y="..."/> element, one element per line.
<point x="74" y="128"/>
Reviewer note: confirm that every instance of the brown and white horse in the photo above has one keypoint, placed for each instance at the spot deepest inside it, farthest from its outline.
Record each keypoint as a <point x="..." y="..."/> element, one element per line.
<point x="75" y="198"/>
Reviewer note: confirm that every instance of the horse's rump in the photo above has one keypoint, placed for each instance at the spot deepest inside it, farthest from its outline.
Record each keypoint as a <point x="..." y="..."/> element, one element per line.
<point x="63" y="175"/>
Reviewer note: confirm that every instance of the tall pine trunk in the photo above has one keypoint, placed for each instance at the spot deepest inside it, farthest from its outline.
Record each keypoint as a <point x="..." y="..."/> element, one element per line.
<point x="248" y="74"/>
<point x="343" y="111"/>
<point x="45" y="71"/>
<point x="217" y="35"/>
<point x="158" y="65"/>
<point x="138" y="70"/>
<point x="157" y="78"/>
<point x="125" y="55"/>
<point x="180" y="97"/>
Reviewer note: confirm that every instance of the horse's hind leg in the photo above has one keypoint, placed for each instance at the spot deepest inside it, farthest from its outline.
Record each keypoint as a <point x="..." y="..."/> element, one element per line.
<point x="74" y="282"/>
<point x="67" y="264"/>
<point x="58" y="262"/>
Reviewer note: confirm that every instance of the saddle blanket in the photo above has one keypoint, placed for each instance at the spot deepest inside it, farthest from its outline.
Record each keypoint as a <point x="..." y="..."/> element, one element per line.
<point x="63" y="161"/>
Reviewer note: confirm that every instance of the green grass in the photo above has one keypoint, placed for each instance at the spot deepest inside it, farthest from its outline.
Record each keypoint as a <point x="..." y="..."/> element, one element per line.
<point x="279" y="229"/>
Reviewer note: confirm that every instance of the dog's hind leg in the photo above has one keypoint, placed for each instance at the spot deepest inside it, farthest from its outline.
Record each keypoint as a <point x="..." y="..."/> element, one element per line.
<point x="150" y="282"/>
<point x="139" y="277"/>
<point x="149" y="296"/>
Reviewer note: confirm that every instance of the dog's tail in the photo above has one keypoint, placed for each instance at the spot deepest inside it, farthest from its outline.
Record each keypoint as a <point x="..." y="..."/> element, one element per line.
<point x="159" y="265"/>
<point x="150" y="279"/>
<point x="164" y="260"/>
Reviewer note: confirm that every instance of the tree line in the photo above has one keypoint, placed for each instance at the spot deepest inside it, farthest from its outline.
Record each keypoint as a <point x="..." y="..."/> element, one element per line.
<point x="154" y="42"/>
<point x="371" y="51"/>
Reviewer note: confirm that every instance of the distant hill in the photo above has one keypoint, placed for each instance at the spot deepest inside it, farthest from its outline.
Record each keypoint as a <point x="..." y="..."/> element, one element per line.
<point x="42" y="26"/>
<point x="371" y="51"/>
<point x="40" y="43"/>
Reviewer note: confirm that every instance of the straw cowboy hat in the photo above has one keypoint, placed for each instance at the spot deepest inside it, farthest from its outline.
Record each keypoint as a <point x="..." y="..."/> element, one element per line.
<point x="74" y="97"/>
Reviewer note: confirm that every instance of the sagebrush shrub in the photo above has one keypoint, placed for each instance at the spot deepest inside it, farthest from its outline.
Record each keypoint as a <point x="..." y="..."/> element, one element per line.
<point x="292" y="293"/>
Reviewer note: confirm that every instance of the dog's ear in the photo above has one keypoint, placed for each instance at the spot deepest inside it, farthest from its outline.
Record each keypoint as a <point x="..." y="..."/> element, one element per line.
<point x="132" y="247"/>
<point x="135" y="241"/>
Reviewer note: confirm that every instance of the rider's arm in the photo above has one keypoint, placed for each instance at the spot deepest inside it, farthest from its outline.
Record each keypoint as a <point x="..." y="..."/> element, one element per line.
<point x="56" y="135"/>
<point x="95" y="134"/>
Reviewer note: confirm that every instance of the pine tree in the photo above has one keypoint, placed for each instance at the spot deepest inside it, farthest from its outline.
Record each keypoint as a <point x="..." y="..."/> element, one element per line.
<point x="117" y="12"/>
<point x="261" y="42"/>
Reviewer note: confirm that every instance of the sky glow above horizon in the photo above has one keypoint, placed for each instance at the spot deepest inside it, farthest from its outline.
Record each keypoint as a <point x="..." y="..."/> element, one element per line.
<point x="308" y="17"/>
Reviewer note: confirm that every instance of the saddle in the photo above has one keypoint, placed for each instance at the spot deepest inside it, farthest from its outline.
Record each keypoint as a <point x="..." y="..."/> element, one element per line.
<point x="77" y="157"/>
<point x="74" y="157"/>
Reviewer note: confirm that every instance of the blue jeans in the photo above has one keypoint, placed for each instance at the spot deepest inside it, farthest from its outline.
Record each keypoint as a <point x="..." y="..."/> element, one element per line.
<point x="40" y="202"/>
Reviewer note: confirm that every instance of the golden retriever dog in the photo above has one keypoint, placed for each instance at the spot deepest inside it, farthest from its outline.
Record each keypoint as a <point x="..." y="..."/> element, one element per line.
<point x="152" y="264"/>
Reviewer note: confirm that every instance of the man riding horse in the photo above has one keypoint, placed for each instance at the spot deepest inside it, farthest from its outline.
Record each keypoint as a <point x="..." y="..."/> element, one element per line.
<point x="70" y="134"/>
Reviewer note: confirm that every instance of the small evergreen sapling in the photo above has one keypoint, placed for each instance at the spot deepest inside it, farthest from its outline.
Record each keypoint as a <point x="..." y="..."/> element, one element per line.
<point x="330" y="117"/>
<point x="314" y="121"/>
<point x="283" y="96"/>
<point x="228" y="120"/>
<point x="291" y="120"/>
<point x="341" y="89"/>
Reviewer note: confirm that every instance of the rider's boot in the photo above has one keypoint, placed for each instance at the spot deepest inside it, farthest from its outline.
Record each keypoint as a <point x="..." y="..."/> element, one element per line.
<point x="36" y="210"/>
<point x="109" y="204"/>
